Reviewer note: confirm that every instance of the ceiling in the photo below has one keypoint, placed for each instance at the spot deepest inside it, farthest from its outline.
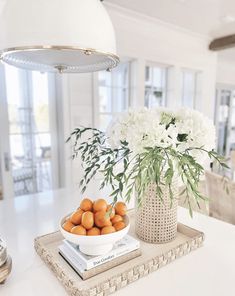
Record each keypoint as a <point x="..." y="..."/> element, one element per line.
<point x="211" y="18"/>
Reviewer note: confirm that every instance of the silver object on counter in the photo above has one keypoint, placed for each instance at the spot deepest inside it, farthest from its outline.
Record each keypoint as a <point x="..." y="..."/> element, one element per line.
<point x="3" y="252"/>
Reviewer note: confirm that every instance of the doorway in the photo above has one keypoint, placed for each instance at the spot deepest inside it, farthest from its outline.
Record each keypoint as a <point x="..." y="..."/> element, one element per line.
<point x="225" y="119"/>
<point x="28" y="127"/>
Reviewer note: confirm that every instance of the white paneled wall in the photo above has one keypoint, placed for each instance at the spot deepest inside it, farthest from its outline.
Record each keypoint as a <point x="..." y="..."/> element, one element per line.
<point x="142" y="39"/>
<point x="225" y="71"/>
<point x="78" y="106"/>
<point x="146" y="39"/>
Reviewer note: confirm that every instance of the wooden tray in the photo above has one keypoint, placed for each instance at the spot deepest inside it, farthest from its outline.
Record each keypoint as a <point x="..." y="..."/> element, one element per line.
<point x="153" y="257"/>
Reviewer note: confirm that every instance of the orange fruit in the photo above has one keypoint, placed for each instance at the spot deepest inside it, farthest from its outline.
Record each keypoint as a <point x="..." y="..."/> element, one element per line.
<point x="102" y="219"/>
<point x="79" y="230"/>
<point x="88" y="220"/>
<point x="119" y="225"/>
<point x="108" y="230"/>
<point x="116" y="218"/>
<point x="99" y="205"/>
<point x="93" y="231"/>
<point x="68" y="226"/>
<point x="76" y="217"/>
<point x="120" y="208"/>
<point x="86" y="204"/>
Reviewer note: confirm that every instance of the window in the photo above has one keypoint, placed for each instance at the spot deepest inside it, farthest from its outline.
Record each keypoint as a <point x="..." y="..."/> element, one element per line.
<point x="190" y="88"/>
<point x="155" y="86"/>
<point x="113" y="93"/>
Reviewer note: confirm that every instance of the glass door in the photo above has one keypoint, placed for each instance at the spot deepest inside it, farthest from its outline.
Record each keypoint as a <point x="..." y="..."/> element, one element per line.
<point x="6" y="184"/>
<point x="30" y="127"/>
<point x="225" y="123"/>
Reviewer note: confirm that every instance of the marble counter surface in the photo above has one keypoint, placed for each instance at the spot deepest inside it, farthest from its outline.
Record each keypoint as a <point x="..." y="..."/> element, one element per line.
<point x="207" y="271"/>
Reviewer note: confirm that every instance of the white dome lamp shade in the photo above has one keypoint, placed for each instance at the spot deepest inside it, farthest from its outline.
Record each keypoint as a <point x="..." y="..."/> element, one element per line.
<point x="57" y="35"/>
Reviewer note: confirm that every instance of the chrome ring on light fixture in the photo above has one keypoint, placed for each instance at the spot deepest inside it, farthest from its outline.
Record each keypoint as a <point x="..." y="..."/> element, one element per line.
<point x="100" y="60"/>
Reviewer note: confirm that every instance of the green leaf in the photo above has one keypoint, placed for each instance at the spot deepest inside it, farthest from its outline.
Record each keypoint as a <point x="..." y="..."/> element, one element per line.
<point x="120" y="186"/>
<point x="115" y="192"/>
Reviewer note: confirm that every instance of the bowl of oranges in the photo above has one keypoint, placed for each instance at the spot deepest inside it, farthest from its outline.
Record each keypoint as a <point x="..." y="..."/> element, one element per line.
<point x="95" y="226"/>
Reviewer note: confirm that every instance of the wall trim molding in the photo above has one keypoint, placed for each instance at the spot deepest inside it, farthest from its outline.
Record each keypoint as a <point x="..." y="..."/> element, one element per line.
<point x="137" y="16"/>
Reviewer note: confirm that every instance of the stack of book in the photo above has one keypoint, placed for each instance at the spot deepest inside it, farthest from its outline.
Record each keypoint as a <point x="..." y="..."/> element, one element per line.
<point x="87" y="266"/>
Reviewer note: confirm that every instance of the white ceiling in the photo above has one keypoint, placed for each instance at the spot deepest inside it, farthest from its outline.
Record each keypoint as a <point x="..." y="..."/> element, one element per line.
<point x="207" y="17"/>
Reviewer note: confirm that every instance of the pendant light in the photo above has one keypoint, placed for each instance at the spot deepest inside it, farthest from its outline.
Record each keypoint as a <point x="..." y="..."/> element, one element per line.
<point x="68" y="36"/>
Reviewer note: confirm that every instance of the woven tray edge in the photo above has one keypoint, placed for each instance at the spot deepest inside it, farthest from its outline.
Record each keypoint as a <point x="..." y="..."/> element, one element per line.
<point x="57" y="270"/>
<point x="122" y="279"/>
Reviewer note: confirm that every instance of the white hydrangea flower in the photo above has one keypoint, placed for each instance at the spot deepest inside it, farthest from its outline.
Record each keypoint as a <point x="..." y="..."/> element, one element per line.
<point x="200" y="130"/>
<point x="163" y="128"/>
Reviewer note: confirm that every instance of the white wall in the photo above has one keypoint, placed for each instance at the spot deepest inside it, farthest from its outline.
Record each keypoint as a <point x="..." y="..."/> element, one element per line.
<point x="147" y="39"/>
<point x="144" y="39"/>
<point x="225" y="71"/>
<point x="78" y="104"/>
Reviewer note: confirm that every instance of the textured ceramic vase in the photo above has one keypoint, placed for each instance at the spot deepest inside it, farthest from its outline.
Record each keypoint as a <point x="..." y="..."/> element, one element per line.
<point x="156" y="218"/>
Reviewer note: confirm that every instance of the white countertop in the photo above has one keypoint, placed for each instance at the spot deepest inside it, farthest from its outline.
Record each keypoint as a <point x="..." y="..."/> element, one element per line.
<point x="209" y="270"/>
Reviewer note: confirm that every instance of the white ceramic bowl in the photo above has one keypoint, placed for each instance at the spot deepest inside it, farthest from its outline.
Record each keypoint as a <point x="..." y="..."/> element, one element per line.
<point x="97" y="244"/>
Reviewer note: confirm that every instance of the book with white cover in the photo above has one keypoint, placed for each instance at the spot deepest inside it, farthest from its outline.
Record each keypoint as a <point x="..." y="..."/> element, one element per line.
<point x="86" y="274"/>
<point x="122" y="247"/>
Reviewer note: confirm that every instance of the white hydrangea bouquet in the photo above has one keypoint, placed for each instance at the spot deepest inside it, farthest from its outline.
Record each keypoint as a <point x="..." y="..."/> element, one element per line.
<point x="145" y="146"/>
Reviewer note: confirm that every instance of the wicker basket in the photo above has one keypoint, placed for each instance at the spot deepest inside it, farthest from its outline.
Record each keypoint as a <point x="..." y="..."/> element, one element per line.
<point x="156" y="219"/>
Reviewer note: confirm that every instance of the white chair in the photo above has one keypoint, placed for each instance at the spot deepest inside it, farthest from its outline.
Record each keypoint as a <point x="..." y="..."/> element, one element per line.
<point x="222" y="203"/>
<point x="232" y="157"/>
